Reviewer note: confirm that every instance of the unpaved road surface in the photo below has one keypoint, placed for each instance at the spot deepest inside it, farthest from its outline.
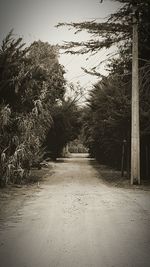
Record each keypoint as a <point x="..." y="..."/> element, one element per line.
<point x="75" y="220"/>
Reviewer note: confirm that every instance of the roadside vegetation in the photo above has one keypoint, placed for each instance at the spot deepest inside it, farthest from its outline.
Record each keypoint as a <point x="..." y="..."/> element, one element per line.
<point x="34" y="115"/>
<point x="107" y="117"/>
<point x="37" y="117"/>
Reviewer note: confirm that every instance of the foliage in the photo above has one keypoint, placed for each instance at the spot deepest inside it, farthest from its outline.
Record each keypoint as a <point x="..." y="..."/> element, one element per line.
<point x="116" y="30"/>
<point x="66" y="127"/>
<point x="107" y="119"/>
<point x="31" y="84"/>
<point x="48" y="72"/>
<point x="76" y="146"/>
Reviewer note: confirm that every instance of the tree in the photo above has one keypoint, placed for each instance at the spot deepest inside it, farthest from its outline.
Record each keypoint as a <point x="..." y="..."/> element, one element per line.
<point x="31" y="84"/>
<point x="116" y="30"/>
<point x="107" y="120"/>
<point x="66" y="127"/>
<point x="49" y="72"/>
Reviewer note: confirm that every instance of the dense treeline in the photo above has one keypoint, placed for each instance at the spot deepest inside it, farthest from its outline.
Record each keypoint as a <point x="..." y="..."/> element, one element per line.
<point x="108" y="116"/>
<point x="107" y="119"/>
<point x="35" y="115"/>
<point x="32" y="107"/>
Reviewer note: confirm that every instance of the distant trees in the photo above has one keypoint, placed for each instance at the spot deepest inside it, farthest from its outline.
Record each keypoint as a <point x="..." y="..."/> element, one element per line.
<point x="76" y="146"/>
<point x="66" y="127"/>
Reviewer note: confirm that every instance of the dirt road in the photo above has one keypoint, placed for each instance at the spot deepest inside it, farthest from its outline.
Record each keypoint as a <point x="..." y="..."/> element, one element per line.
<point x="75" y="220"/>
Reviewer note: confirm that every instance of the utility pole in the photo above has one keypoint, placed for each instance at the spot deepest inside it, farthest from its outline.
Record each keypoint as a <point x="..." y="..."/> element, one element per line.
<point x="135" y="129"/>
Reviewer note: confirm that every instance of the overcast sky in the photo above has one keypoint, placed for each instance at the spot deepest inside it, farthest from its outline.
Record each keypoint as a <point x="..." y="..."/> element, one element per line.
<point x="36" y="19"/>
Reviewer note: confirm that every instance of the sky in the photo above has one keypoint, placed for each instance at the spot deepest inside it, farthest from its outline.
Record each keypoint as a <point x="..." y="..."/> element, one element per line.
<point x="36" y="20"/>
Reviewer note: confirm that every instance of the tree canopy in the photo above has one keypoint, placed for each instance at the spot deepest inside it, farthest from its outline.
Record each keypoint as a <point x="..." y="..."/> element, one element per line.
<point x="107" y="118"/>
<point x="114" y="30"/>
<point x="31" y="84"/>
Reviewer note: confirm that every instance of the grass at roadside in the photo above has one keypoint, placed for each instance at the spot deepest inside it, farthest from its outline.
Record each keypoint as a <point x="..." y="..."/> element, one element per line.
<point x="113" y="177"/>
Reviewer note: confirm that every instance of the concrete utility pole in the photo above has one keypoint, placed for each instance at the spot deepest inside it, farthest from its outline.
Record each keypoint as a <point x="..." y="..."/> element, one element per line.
<point x="135" y="131"/>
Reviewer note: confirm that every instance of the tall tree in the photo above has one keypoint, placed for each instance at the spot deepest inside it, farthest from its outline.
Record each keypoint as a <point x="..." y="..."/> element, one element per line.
<point x="31" y="84"/>
<point x="115" y="30"/>
<point x="103" y="113"/>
